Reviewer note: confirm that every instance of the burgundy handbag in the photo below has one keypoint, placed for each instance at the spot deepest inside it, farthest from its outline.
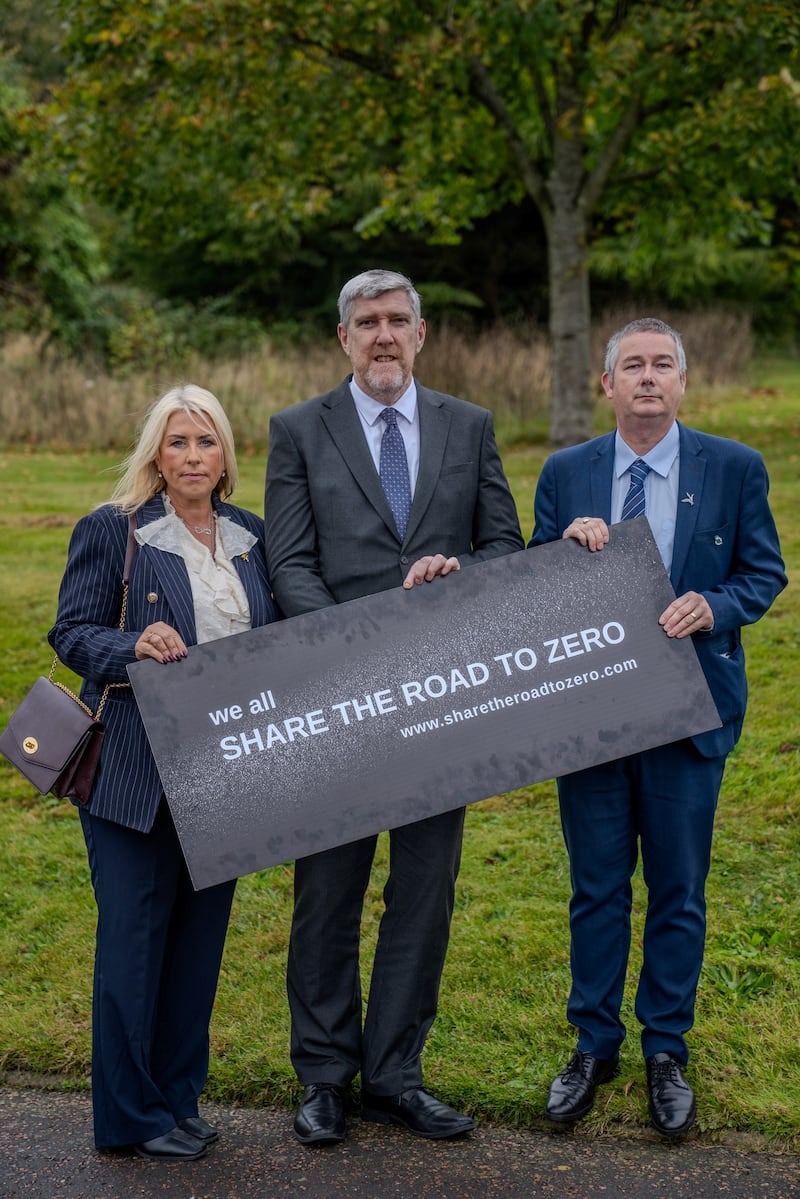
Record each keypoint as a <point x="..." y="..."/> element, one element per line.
<point x="53" y="738"/>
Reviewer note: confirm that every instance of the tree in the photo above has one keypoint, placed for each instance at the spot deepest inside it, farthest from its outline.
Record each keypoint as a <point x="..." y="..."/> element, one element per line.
<point x="243" y="123"/>
<point x="49" y="256"/>
<point x="29" y="29"/>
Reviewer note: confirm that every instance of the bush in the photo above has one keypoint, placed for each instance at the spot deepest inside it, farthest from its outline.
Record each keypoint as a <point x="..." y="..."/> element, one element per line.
<point x="145" y="334"/>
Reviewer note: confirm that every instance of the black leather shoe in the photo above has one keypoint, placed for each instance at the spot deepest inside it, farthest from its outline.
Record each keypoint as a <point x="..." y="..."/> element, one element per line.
<point x="174" y="1146"/>
<point x="199" y="1128"/>
<point x="572" y="1091"/>
<point x="418" y="1111"/>
<point x="672" y="1107"/>
<point x="320" y="1117"/>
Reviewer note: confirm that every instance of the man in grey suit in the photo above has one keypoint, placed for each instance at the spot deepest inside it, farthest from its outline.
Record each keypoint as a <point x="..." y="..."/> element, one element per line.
<point x="376" y="484"/>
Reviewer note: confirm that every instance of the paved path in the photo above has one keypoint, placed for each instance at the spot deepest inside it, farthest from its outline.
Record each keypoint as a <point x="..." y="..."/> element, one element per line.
<point x="46" y="1152"/>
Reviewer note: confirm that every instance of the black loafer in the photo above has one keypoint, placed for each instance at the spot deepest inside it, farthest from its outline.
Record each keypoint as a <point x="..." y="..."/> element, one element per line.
<point x="672" y="1106"/>
<point x="418" y="1111"/>
<point x="320" y="1117"/>
<point x="199" y="1128"/>
<point x="173" y="1146"/>
<point x="572" y="1091"/>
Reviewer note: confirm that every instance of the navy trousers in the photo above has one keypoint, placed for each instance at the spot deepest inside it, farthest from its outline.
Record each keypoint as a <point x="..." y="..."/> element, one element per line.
<point x="158" y="952"/>
<point x="328" y="1043"/>
<point x="662" y="800"/>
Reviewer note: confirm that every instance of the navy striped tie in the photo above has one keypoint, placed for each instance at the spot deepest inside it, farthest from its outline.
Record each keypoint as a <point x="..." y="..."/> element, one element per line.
<point x="393" y="470"/>
<point x="634" y="500"/>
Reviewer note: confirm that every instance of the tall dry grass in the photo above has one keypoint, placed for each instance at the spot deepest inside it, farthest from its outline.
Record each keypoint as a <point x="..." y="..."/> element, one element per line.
<point x="47" y="400"/>
<point x="718" y="342"/>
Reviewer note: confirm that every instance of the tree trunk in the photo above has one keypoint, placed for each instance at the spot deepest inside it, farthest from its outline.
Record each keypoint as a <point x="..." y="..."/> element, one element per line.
<point x="570" y="394"/>
<point x="567" y="253"/>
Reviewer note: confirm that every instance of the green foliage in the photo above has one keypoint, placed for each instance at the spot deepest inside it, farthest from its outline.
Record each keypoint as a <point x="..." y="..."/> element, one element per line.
<point x="147" y="334"/>
<point x="49" y="257"/>
<point x="244" y="123"/>
<point x="235" y="133"/>
<point x="440" y="300"/>
<point x="30" y="31"/>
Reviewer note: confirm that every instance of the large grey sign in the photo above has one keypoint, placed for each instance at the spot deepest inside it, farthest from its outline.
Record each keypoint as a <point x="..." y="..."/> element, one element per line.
<point x="315" y="731"/>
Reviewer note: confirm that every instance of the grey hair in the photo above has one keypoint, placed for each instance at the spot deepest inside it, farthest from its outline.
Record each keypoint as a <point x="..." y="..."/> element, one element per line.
<point x="645" y="324"/>
<point x="140" y="479"/>
<point x="370" y="284"/>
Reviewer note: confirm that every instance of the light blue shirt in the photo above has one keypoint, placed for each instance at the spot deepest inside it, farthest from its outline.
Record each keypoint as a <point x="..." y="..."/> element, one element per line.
<point x="660" y="487"/>
<point x="369" y="413"/>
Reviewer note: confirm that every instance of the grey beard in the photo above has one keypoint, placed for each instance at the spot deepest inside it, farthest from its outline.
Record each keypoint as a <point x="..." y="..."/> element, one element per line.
<point x="380" y="382"/>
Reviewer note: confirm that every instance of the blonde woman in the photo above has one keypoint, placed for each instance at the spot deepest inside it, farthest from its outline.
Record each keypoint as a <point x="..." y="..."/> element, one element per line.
<point x="198" y="573"/>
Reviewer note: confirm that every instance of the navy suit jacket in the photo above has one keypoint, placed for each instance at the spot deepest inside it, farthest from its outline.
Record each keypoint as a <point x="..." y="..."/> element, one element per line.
<point x="726" y="547"/>
<point x="87" y="638"/>
<point x="329" y="528"/>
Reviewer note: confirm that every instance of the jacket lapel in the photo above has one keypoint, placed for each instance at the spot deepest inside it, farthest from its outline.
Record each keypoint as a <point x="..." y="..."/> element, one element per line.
<point x="254" y="582"/>
<point x="691" y="478"/>
<point x="171" y="572"/>
<point x="601" y="465"/>
<point x="343" y="424"/>
<point x="434" y="426"/>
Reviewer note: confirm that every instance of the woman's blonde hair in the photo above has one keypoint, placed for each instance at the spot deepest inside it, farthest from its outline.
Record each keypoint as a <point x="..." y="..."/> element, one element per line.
<point x="140" y="479"/>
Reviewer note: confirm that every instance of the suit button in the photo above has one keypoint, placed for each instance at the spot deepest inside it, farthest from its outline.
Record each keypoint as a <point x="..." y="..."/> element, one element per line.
<point x="152" y="597"/>
<point x="404" y="559"/>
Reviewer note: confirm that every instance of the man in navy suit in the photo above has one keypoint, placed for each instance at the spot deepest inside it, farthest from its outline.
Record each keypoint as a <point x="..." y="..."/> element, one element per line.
<point x="706" y="501"/>
<point x="378" y="483"/>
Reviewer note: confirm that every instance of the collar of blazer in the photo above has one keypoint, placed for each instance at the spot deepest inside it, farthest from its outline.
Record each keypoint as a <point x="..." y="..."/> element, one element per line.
<point x="174" y="581"/>
<point x="341" y="420"/>
<point x="693" y="463"/>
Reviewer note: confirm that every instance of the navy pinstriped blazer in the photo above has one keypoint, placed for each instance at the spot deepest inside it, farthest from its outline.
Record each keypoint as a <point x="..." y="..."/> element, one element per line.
<point x="87" y="638"/>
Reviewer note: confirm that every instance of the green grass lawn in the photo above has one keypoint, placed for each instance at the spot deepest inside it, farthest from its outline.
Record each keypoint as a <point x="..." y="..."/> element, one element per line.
<point x="501" y="1031"/>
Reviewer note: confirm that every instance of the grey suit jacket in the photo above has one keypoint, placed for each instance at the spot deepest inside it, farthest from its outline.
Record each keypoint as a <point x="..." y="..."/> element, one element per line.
<point x="330" y="534"/>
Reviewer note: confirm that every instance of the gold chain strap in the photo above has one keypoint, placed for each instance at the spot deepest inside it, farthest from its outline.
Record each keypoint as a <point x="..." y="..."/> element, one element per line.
<point x="66" y="690"/>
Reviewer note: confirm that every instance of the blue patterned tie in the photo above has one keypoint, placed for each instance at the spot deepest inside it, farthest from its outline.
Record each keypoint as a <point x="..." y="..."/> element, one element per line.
<point x="634" y="500"/>
<point x="394" y="471"/>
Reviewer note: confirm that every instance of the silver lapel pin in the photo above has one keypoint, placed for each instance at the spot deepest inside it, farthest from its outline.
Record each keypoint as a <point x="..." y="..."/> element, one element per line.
<point x="688" y="499"/>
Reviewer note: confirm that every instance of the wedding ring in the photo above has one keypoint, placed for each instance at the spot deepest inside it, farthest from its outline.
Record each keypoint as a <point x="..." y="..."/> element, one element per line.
<point x="692" y="616"/>
<point x="587" y="520"/>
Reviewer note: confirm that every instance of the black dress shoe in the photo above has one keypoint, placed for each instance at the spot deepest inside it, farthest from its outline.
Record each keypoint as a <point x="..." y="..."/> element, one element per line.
<point x="199" y="1128"/>
<point x="418" y="1111"/>
<point x="672" y="1107"/>
<point x="572" y="1091"/>
<point x="173" y="1146"/>
<point x="320" y="1117"/>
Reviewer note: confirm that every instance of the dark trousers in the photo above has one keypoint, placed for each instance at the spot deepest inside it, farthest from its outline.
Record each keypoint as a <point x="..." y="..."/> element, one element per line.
<point x="158" y="953"/>
<point x="323" y="981"/>
<point x="663" y="800"/>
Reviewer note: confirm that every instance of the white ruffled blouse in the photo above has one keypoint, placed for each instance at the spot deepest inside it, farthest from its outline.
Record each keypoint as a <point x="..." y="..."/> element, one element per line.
<point x="220" y="601"/>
